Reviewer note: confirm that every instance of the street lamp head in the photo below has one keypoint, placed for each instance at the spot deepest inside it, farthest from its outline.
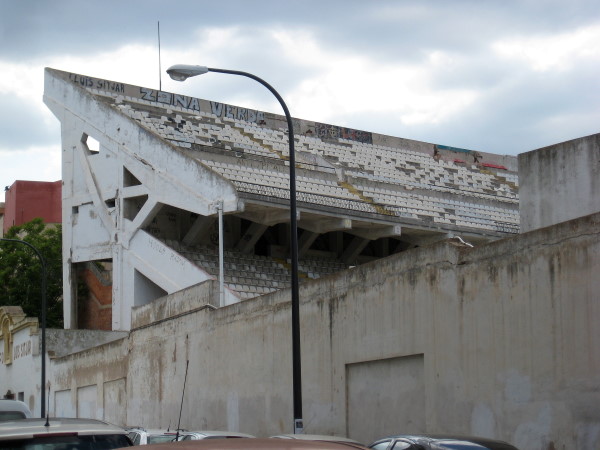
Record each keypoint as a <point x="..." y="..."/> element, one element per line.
<point x="181" y="72"/>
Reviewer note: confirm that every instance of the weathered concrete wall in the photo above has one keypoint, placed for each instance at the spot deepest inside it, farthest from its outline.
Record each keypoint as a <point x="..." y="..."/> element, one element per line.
<point x="499" y="340"/>
<point x="20" y="361"/>
<point x="83" y="383"/>
<point x="559" y="182"/>
<point x="64" y="342"/>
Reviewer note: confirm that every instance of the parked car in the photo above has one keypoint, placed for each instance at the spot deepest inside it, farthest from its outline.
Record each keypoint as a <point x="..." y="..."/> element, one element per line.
<point x="61" y="433"/>
<point x="13" y="410"/>
<point x="195" y="435"/>
<point x="316" y="437"/>
<point x="439" y="442"/>
<point x="141" y="436"/>
<point x="256" y="444"/>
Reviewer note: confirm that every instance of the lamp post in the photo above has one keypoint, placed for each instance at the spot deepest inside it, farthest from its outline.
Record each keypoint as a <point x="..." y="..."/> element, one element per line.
<point x="44" y="307"/>
<point x="181" y="72"/>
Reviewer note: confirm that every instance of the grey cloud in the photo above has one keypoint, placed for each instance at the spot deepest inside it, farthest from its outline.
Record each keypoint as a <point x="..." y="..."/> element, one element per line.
<point x="511" y="115"/>
<point x="35" y="27"/>
<point x="411" y="30"/>
<point x="530" y="113"/>
<point x="386" y="30"/>
<point x="22" y="125"/>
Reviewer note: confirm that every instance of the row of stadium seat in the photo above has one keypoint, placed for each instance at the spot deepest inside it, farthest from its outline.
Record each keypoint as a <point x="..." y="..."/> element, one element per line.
<point x="251" y="275"/>
<point x="368" y="170"/>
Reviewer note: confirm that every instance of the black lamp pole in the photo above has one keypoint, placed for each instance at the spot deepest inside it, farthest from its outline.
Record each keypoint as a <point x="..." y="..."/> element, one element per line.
<point x="181" y="72"/>
<point x="43" y="263"/>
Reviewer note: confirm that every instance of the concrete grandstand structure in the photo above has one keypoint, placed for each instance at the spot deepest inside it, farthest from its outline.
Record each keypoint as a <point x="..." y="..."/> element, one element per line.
<point x="146" y="173"/>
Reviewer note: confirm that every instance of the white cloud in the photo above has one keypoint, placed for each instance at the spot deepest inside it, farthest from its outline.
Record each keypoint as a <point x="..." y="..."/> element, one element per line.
<point x="34" y="163"/>
<point x="552" y="52"/>
<point x="131" y="64"/>
<point x="344" y="84"/>
<point x="339" y="83"/>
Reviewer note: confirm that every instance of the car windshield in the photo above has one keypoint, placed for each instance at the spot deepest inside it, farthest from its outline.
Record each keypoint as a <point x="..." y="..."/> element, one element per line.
<point x="160" y="438"/>
<point x="72" y="442"/>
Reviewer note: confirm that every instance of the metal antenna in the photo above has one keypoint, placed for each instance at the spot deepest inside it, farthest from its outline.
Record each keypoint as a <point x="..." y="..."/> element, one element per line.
<point x="47" y="424"/>
<point x="187" y="363"/>
<point x="159" y="71"/>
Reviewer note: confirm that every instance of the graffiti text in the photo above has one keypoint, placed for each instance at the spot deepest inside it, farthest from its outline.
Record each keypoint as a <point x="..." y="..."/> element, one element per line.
<point x="167" y="98"/>
<point x="326" y="132"/>
<point x="21" y="350"/>
<point x="233" y="112"/>
<point x="96" y="83"/>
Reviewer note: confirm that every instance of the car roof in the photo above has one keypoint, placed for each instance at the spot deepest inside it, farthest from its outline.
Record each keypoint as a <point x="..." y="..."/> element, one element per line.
<point x="315" y="437"/>
<point x="27" y="428"/>
<point x="212" y="433"/>
<point x="148" y="431"/>
<point x="18" y="406"/>
<point x="255" y="444"/>
<point x="492" y="444"/>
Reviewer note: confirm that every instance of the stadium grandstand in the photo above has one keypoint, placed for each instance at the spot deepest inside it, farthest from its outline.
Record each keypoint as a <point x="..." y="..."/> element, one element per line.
<point x="153" y="180"/>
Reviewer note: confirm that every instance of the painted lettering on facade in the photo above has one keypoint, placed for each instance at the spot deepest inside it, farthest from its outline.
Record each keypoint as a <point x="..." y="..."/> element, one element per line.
<point x="21" y="350"/>
<point x="233" y="112"/>
<point x="167" y="98"/>
<point x="97" y="83"/>
<point x="329" y="132"/>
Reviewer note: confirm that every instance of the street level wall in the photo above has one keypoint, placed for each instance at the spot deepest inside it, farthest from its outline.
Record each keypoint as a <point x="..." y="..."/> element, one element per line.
<point x="559" y="182"/>
<point x="499" y="340"/>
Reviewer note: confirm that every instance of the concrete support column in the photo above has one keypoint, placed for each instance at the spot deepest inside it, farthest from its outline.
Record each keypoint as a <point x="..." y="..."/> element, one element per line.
<point x="353" y="250"/>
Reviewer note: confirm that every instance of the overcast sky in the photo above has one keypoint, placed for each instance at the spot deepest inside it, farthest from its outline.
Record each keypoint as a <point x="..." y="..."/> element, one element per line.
<point x="495" y="76"/>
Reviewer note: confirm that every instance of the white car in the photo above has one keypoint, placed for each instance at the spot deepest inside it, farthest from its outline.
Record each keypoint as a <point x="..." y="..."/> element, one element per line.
<point x="61" y="433"/>
<point x="13" y="410"/>
<point x="141" y="436"/>
<point x="195" y="435"/>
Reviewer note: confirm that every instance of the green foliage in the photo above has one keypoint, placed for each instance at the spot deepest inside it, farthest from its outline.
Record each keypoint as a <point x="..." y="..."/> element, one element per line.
<point x="21" y="273"/>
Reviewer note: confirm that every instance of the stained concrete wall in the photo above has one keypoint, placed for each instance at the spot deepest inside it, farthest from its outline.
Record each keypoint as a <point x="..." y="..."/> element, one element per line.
<point x="20" y="362"/>
<point x="64" y="342"/>
<point x="499" y="340"/>
<point x="559" y="182"/>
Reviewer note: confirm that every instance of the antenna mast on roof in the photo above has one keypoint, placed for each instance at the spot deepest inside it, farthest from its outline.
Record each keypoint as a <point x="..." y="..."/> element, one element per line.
<point x="159" y="71"/>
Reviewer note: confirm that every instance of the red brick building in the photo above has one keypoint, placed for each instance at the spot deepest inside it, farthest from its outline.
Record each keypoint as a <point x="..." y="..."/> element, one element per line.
<point x="26" y="200"/>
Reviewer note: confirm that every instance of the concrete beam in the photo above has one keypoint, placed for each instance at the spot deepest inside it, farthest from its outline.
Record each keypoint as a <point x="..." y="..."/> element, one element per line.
<point x="200" y="226"/>
<point x="376" y="233"/>
<point x="326" y="224"/>
<point x="353" y="249"/>
<point x="268" y="216"/>
<point x="306" y="240"/>
<point x="252" y="234"/>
